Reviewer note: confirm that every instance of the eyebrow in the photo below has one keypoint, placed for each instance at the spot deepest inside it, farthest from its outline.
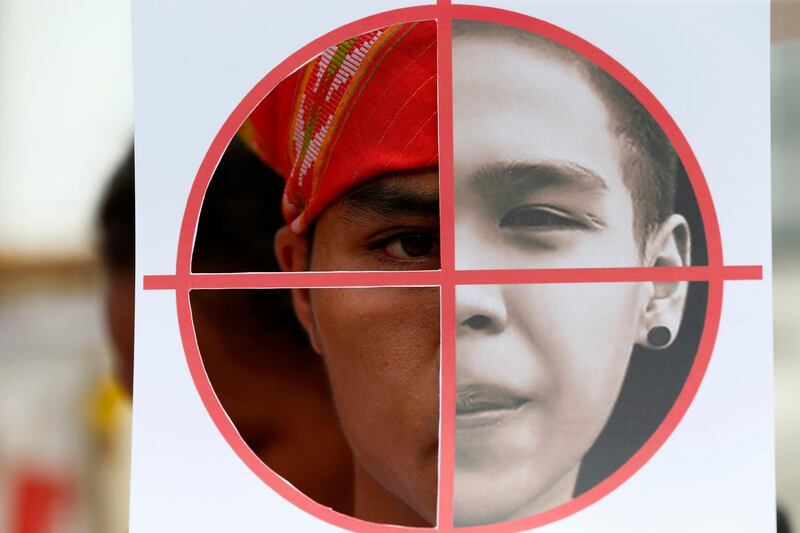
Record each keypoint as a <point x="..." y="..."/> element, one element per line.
<point x="522" y="177"/>
<point x="388" y="199"/>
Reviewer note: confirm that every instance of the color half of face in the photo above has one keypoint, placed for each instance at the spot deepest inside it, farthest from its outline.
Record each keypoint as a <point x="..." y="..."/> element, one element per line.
<point x="381" y="345"/>
<point x="538" y="185"/>
<point x="389" y="223"/>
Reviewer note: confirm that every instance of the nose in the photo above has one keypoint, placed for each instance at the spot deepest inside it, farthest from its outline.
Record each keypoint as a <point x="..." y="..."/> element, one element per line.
<point x="480" y="309"/>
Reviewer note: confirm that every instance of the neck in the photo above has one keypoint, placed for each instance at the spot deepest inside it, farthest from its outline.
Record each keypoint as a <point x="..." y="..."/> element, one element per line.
<point x="376" y="504"/>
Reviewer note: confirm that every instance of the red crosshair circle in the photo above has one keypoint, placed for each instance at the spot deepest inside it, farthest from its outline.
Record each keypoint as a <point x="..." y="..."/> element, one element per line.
<point x="448" y="277"/>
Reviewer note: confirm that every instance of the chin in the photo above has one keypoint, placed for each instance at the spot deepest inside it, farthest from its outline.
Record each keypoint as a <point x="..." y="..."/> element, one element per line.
<point x="478" y="503"/>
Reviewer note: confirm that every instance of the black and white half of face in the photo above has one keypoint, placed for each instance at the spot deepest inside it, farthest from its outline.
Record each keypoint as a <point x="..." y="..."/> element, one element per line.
<point x="539" y="184"/>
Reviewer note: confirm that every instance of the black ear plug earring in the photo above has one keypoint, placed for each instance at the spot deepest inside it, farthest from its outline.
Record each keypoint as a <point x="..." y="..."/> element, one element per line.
<point x="659" y="336"/>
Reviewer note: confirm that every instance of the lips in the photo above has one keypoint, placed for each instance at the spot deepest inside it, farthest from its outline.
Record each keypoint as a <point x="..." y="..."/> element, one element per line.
<point x="486" y="404"/>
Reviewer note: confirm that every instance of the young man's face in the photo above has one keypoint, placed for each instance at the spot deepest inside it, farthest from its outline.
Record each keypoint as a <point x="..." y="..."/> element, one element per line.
<point x="538" y="184"/>
<point x="381" y="345"/>
<point x="539" y="367"/>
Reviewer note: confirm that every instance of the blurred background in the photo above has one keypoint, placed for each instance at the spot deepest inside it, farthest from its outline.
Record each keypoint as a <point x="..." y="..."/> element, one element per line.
<point x="66" y="122"/>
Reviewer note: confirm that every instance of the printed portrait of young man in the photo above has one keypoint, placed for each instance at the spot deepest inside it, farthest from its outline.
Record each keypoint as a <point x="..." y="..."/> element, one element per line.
<point x="557" y="165"/>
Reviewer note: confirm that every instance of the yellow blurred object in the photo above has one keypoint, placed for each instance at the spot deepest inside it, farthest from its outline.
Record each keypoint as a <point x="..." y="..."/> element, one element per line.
<point x="109" y="408"/>
<point x="109" y="423"/>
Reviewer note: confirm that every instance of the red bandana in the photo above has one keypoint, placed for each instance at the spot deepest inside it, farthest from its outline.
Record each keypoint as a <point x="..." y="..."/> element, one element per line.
<point x="363" y="108"/>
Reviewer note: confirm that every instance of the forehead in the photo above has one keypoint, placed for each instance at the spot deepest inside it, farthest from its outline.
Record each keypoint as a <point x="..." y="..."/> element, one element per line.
<point x="394" y="195"/>
<point x="515" y="101"/>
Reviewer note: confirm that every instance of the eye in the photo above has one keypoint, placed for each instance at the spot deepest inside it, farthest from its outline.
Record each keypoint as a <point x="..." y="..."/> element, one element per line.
<point x="408" y="249"/>
<point x="541" y="218"/>
<point x="410" y="246"/>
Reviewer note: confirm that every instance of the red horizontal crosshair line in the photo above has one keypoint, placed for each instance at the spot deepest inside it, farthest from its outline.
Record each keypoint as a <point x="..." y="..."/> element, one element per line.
<point x="607" y="275"/>
<point x="426" y="278"/>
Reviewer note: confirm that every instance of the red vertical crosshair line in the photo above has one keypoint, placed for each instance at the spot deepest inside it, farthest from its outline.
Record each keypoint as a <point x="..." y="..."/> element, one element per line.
<point x="447" y="293"/>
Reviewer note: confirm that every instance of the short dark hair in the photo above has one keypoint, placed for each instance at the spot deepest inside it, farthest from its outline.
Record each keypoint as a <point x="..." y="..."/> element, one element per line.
<point x="115" y="219"/>
<point x="650" y="165"/>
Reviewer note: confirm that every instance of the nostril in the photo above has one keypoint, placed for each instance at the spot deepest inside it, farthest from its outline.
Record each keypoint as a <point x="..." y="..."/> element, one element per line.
<point x="478" y="322"/>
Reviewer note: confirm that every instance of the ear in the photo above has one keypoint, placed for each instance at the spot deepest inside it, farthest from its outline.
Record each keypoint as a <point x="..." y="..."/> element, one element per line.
<point x="291" y="250"/>
<point x="669" y="246"/>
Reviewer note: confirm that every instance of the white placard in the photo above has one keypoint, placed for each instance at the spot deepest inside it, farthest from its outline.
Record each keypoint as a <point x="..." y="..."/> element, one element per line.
<point x="707" y="63"/>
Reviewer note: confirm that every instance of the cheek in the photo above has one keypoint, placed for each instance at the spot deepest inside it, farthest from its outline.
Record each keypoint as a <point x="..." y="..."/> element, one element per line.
<point x="585" y="334"/>
<point x="381" y="350"/>
<point x="377" y="329"/>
